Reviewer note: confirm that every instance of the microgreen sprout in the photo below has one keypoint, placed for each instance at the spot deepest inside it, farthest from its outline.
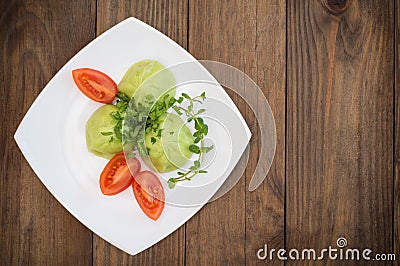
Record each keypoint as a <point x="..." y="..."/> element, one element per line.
<point x="201" y="130"/>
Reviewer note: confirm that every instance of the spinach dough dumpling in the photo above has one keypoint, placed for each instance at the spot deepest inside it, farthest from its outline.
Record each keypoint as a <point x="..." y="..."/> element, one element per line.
<point x="171" y="150"/>
<point x="104" y="145"/>
<point x="147" y="78"/>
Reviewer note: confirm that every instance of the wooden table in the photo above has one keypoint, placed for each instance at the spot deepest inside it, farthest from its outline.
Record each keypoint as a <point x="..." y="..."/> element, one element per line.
<point x="330" y="73"/>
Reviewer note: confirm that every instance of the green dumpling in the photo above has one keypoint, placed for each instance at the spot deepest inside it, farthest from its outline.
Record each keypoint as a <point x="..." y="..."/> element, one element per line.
<point x="170" y="151"/>
<point x="147" y="78"/>
<point x="100" y="137"/>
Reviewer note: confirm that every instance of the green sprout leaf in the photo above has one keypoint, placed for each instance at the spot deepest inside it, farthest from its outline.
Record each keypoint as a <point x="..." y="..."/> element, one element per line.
<point x="186" y="96"/>
<point x="171" y="183"/>
<point x="106" y="133"/>
<point x="200" y="111"/>
<point x="207" y="149"/>
<point x="199" y="135"/>
<point x="194" y="148"/>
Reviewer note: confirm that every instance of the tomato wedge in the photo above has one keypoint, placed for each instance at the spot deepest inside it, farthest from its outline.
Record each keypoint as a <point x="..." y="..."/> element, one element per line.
<point x="94" y="84"/>
<point x="149" y="193"/>
<point x="116" y="176"/>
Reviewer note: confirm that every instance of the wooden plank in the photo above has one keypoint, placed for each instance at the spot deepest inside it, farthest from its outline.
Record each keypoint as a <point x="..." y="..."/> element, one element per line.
<point x="340" y="125"/>
<point x="216" y="235"/>
<point x="265" y="55"/>
<point x="169" y="17"/>
<point x="251" y="37"/>
<point x="396" y="189"/>
<point x="37" y="39"/>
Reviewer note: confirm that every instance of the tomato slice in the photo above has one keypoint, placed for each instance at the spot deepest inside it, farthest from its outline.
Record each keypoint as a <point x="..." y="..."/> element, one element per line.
<point x="95" y="84"/>
<point x="149" y="193"/>
<point x="117" y="175"/>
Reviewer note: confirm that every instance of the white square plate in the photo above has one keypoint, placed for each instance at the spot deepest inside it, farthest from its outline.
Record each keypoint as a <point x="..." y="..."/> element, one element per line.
<point x="52" y="138"/>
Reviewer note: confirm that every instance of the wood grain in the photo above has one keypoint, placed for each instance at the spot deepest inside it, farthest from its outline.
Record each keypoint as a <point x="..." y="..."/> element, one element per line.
<point x="265" y="57"/>
<point x="340" y="125"/>
<point x="169" y="17"/>
<point x="35" y="228"/>
<point x="396" y="155"/>
<point x="216" y="235"/>
<point x="247" y="40"/>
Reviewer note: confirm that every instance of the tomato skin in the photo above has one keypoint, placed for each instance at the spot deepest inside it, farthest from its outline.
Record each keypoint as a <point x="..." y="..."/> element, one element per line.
<point x="94" y="84"/>
<point x="116" y="175"/>
<point x="149" y="193"/>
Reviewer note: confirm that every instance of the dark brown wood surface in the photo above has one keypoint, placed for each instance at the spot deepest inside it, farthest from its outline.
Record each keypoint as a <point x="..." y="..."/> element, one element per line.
<point x="35" y="228"/>
<point x="340" y="125"/>
<point x="330" y="70"/>
<point x="396" y="155"/>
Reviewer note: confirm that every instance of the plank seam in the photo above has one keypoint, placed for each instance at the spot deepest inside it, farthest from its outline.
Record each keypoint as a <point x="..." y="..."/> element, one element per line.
<point x="286" y="134"/>
<point x="187" y="48"/>
<point x="394" y="205"/>
<point x="95" y="34"/>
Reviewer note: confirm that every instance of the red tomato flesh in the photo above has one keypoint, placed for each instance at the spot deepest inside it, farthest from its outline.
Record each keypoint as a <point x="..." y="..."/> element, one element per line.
<point x="117" y="175"/>
<point x="94" y="84"/>
<point x="149" y="193"/>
